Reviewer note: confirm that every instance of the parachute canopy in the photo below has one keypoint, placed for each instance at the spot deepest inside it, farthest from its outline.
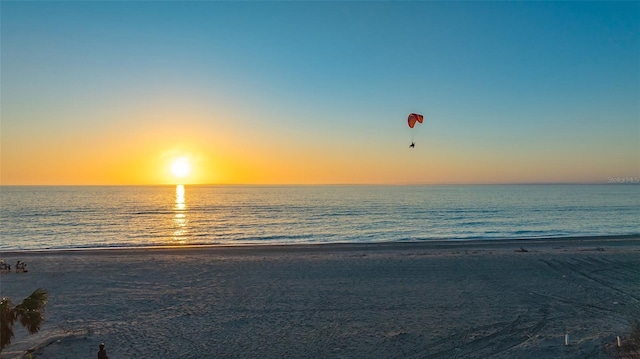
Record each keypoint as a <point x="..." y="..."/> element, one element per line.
<point x="413" y="118"/>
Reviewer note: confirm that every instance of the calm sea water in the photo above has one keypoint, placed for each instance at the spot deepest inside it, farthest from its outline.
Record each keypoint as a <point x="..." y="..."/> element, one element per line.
<point x="96" y="217"/>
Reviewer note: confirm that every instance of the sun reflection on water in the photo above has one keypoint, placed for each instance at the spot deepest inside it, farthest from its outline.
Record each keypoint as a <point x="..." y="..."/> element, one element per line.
<point x="180" y="216"/>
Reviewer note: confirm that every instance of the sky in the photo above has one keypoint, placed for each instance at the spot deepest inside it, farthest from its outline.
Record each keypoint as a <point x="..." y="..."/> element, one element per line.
<point x="297" y="92"/>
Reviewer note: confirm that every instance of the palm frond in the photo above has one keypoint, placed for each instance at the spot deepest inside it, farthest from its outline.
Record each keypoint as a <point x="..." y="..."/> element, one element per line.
<point x="31" y="310"/>
<point x="7" y="318"/>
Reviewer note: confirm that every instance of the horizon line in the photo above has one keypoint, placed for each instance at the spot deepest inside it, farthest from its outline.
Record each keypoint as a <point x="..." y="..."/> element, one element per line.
<point x="635" y="182"/>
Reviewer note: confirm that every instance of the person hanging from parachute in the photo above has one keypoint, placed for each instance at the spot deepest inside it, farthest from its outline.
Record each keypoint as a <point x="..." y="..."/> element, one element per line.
<point x="411" y="121"/>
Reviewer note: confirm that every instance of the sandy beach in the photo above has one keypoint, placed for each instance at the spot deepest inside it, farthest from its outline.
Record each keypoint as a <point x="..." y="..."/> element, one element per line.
<point x="394" y="300"/>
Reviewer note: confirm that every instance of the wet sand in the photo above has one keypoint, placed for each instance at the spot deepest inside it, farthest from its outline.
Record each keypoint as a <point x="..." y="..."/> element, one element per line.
<point x="474" y="299"/>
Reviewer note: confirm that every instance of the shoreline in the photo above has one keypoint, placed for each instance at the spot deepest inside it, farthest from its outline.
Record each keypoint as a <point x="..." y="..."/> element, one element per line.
<point x="435" y="243"/>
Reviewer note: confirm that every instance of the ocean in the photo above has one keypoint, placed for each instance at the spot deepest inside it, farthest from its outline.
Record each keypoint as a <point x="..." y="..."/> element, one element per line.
<point x="69" y="217"/>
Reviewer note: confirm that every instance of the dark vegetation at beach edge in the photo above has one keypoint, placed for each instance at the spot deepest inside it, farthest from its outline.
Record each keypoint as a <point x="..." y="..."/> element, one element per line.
<point x="30" y="314"/>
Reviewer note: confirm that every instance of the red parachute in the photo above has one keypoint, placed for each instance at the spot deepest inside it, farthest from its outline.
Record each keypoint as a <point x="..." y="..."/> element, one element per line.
<point x="413" y="118"/>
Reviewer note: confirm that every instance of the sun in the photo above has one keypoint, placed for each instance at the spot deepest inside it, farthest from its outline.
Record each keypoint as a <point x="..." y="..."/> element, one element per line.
<point x="180" y="167"/>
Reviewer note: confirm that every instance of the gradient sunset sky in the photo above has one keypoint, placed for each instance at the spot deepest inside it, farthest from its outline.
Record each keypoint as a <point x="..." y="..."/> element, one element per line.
<point x="290" y="92"/>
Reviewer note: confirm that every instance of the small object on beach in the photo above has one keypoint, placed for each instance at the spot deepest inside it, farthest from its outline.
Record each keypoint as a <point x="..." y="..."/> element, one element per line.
<point x="102" y="353"/>
<point x="21" y="267"/>
<point x="4" y="266"/>
<point x="521" y="250"/>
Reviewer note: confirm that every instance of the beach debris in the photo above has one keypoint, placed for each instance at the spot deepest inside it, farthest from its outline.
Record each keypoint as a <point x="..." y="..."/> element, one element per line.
<point x="521" y="250"/>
